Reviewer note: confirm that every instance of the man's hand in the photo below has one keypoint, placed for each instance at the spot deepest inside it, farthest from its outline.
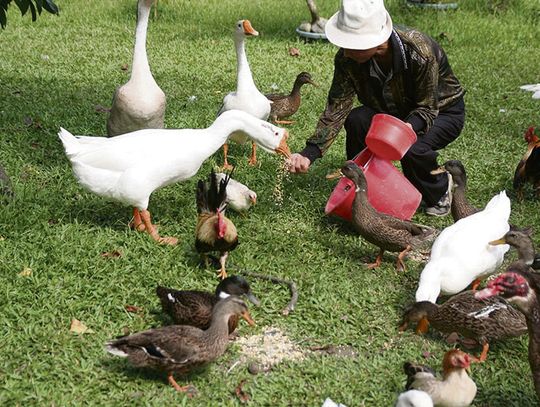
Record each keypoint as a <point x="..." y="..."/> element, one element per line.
<point x="298" y="163"/>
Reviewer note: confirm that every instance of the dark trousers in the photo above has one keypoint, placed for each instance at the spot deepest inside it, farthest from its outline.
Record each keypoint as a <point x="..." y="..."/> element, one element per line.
<point x="422" y="156"/>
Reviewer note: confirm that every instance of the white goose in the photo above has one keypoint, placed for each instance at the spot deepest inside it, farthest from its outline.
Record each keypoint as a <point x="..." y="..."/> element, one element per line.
<point x="246" y="97"/>
<point x="129" y="167"/>
<point x="462" y="255"/>
<point x="535" y="88"/>
<point x="140" y="103"/>
<point x="414" y="398"/>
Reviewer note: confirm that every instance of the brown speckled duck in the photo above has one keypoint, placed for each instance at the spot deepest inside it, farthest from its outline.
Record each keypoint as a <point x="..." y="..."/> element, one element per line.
<point x="385" y="231"/>
<point x="192" y="307"/>
<point x="521" y="287"/>
<point x="461" y="207"/>
<point x="483" y="321"/>
<point x="287" y="105"/>
<point x="521" y="240"/>
<point x="181" y="348"/>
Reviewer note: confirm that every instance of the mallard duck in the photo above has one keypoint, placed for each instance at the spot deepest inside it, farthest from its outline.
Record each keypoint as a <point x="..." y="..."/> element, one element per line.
<point x="456" y="389"/>
<point x="521" y="287"/>
<point x="181" y="348"/>
<point x="128" y="168"/>
<point x="239" y="197"/>
<point x="287" y="105"/>
<point x="414" y="398"/>
<point x="246" y="97"/>
<point x="382" y="230"/>
<point x="5" y="184"/>
<point x="192" y="307"/>
<point x="462" y="255"/>
<point x="521" y="240"/>
<point x="140" y="103"/>
<point x="483" y="321"/>
<point x="460" y="206"/>
<point x="528" y="168"/>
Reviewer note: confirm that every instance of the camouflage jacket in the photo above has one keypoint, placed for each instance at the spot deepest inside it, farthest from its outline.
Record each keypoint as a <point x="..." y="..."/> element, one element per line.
<point x="419" y="85"/>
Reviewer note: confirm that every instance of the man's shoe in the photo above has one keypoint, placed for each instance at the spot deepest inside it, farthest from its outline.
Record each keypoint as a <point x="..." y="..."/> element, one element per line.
<point x="442" y="208"/>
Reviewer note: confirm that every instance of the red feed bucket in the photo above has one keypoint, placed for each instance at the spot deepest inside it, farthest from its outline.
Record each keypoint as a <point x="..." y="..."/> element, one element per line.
<point x="388" y="137"/>
<point x="388" y="190"/>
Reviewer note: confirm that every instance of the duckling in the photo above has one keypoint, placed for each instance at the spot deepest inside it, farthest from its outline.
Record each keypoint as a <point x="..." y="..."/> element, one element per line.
<point x="181" y="348"/>
<point x="461" y="207"/>
<point x="385" y="231"/>
<point x="414" y="398"/>
<point x="482" y="321"/>
<point x="287" y="105"/>
<point x="522" y="241"/>
<point x="456" y="389"/>
<point x="239" y="197"/>
<point x="191" y="307"/>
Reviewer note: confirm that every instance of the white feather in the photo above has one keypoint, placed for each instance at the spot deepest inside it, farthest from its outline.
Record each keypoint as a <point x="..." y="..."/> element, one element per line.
<point x="129" y="167"/>
<point x="115" y="351"/>
<point x="462" y="253"/>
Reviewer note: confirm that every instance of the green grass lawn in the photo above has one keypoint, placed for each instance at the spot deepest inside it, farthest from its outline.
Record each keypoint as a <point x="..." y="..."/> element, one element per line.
<point x="54" y="72"/>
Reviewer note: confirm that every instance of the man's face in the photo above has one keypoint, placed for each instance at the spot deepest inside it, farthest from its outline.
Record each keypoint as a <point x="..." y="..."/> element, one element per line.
<point x="360" y="55"/>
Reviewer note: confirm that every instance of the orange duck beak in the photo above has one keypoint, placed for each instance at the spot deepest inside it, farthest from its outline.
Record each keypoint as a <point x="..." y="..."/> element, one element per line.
<point x="502" y="240"/>
<point x="283" y="147"/>
<point x="440" y="170"/>
<point x="247" y="317"/>
<point x="248" y="29"/>
<point x="422" y="326"/>
<point x="334" y="175"/>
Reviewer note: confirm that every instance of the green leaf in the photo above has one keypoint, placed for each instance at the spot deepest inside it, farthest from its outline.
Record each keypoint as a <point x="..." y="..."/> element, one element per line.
<point x="38" y="5"/>
<point x="50" y="7"/>
<point x="3" y="19"/>
<point x="33" y="10"/>
<point x="23" y="5"/>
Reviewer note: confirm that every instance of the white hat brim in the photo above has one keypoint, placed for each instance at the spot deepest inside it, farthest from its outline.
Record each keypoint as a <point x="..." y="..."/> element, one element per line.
<point x="344" y="39"/>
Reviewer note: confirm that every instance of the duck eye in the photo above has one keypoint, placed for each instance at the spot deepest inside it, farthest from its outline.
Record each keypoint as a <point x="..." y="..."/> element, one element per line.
<point x="239" y="25"/>
<point x="276" y="134"/>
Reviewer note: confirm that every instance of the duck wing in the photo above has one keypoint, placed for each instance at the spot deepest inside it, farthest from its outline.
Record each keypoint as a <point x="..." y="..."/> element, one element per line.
<point x="172" y="345"/>
<point x="187" y="307"/>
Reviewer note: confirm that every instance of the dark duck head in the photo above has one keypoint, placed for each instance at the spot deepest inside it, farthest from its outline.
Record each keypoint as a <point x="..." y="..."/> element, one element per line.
<point x="235" y="285"/>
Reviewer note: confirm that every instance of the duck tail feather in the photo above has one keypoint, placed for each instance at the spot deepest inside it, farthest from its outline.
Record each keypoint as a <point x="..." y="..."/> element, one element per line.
<point x="70" y="142"/>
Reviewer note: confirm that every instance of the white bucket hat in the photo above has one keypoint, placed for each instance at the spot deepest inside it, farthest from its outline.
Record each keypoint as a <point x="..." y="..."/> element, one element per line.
<point x="359" y="24"/>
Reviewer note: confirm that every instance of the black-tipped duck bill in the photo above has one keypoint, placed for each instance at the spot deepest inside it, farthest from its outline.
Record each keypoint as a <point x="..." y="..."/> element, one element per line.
<point x="436" y="171"/>
<point x="254" y="300"/>
<point x="486" y="293"/>
<point x="498" y="241"/>
<point x="334" y="175"/>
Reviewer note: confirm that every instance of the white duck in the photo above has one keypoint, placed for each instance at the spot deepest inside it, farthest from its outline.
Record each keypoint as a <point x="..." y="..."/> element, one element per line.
<point x="414" y="398"/>
<point x="535" y="88"/>
<point x="128" y="168"/>
<point x="461" y="254"/>
<point x="246" y="97"/>
<point x="140" y="103"/>
<point x="239" y="197"/>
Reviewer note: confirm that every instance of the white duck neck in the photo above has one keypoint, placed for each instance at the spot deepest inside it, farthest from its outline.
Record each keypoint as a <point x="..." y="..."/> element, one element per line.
<point x="228" y="123"/>
<point x="244" y="79"/>
<point x="141" y="69"/>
